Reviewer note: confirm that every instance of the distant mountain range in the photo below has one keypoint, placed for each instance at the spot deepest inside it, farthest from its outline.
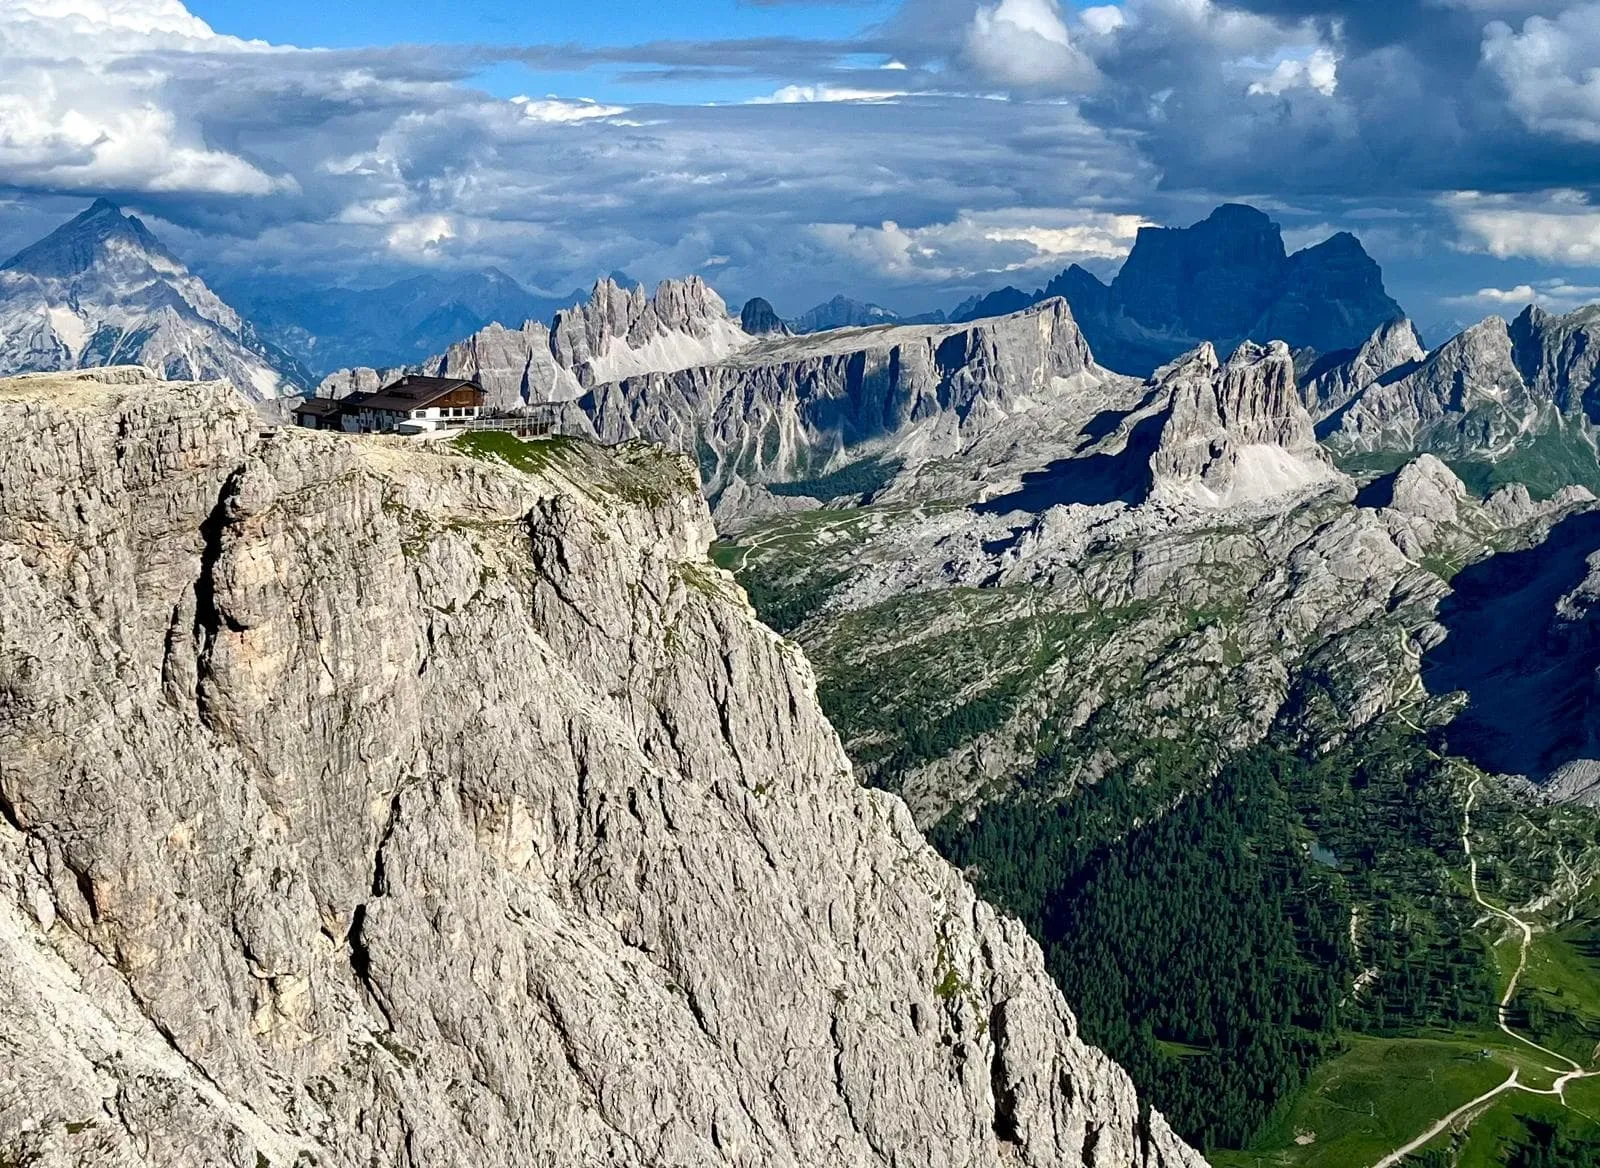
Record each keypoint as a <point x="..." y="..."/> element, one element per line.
<point x="397" y="324"/>
<point x="843" y="312"/>
<point x="1227" y="279"/>
<point x="102" y="290"/>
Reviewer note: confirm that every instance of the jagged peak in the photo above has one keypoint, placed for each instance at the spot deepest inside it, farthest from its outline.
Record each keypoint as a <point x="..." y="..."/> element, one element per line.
<point x="1202" y="358"/>
<point x="1255" y="352"/>
<point x="1339" y="241"/>
<point x="79" y="243"/>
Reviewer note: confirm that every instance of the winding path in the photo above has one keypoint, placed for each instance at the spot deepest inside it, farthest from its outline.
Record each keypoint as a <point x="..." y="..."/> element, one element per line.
<point x="1399" y="1154"/>
<point x="1569" y="1071"/>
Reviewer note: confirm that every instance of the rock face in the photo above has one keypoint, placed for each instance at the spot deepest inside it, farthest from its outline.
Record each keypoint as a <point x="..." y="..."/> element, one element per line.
<point x="618" y="332"/>
<point x="1236" y="432"/>
<point x="1225" y="280"/>
<point x="621" y="332"/>
<point x="1391" y="352"/>
<point x="798" y="407"/>
<point x="1527" y="391"/>
<point x="1521" y="643"/>
<point x="514" y="366"/>
<point x="102" y="290"/>
<point x="759" y="319"/>
<point x="367" y="804"/>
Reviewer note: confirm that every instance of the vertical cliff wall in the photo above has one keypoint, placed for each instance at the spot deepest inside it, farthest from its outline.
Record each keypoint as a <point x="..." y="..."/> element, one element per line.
<point x="369" y="805"/>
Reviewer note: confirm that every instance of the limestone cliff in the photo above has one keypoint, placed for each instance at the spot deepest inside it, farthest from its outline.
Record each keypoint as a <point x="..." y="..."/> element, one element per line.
<point x="1235" y="431"/>
<point x="796" y="407"/>
<point x="366" y="805"/>
<point x="617" y="332"/>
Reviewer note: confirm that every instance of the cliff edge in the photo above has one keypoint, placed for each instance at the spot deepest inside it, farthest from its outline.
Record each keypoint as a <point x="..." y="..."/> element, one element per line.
<point x="363" y="804"/>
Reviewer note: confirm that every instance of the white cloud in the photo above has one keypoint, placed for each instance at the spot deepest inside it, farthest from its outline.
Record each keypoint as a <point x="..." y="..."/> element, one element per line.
<point x="141" y="17"/>
<point x="558" y="111"/>
<point x="1025" y="44"/>
<point x="1108" y="237"/>
<point x="1103" y="20"/>
<point x="1549" y="71"/>
<point x="983" y="243"/>
<point x="72" y="119"/>
<point x="1554" y="295"/>
<point x="1317" y="71"/>
<point x="795" y="94"/>
<point x="419" y="237"/>
<point x="1561" y="227"/>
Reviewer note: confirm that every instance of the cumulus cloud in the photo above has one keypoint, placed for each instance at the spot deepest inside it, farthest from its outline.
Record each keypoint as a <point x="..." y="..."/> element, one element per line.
<point x="1561" y="227"/>
<point x="1319" y="71"/>
<point x="554" y="109"/>
<point x="1025" y="44"/>
<point x="975" y="244"/>
<point x="74" y="117"/>
<point x="1554" y="295"/>
<point x="1548" y="68"/>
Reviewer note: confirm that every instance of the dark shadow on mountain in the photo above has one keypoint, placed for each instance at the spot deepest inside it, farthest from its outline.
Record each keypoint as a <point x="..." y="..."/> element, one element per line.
<point x="1379" y="492"/>
<point x="1324" y="363"/>
<point x="1533" y="702"/>
<point x="1105" y="423"/>
<point x="1333" y="421"/>
<point x="1090" y="480"/>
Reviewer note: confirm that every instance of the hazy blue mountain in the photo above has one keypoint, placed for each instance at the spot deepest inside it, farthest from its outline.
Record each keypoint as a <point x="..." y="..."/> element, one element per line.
<point x="1226" y="279"/>
<point x="103" y="290"/>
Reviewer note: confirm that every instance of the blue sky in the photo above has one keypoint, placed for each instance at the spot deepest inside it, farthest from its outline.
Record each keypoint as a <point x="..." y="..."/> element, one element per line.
<point x="771" y="148"/>
<point x="500" y="22"/>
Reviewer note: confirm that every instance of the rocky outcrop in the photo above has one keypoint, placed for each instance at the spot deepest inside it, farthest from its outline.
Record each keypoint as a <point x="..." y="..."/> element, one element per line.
<point x="621" y="332"/>
<point x="760" y="319"/>
<point x="1467" y="394"/>
<point x="102" y="290"/>
<point x="1235" y="432"/>
<point x="1224" y="280"/>
<point x="368" y="804"/>
<point x="1527" y="391"/>
<point x="1392" y="351"/>
<point x="795" y="408"/>
<point x="515" y="367"/>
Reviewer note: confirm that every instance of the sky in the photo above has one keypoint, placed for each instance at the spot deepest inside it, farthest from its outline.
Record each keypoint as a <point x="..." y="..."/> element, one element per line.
<point x="910" y="152"/>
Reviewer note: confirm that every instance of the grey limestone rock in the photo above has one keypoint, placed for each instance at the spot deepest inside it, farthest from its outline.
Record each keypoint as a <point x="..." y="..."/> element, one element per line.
<point x="365" y="804"/>
<point x="1236" y="432"/>
<point x="619" y="331"/>
<point x="1339" y="376"/>
<point x="786" y="408"/>
<point x="102" y="290"/>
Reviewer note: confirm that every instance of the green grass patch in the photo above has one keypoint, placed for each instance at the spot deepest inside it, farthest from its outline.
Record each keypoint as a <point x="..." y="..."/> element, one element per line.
<point x="1558" y="999"/>
<point x="1544" y="464"/>
<point x="532" y="455"/>
<point x="859" y="479"/>
<point x="1376" y="1096"/>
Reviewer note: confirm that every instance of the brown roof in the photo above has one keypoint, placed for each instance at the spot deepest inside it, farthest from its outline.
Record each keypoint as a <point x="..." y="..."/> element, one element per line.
<point x="414" y="393"/>
<point x="320" y="407"/>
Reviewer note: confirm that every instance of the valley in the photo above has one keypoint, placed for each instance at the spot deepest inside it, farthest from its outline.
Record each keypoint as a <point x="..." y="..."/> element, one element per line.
<point x="1253" y="689"/>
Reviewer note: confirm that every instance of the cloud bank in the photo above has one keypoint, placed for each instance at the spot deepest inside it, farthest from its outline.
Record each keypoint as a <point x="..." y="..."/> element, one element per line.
<point x="936" y="152"/>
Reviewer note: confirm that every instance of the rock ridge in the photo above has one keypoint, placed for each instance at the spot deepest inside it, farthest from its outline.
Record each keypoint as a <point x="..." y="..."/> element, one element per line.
<point x="371" y="804"/>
